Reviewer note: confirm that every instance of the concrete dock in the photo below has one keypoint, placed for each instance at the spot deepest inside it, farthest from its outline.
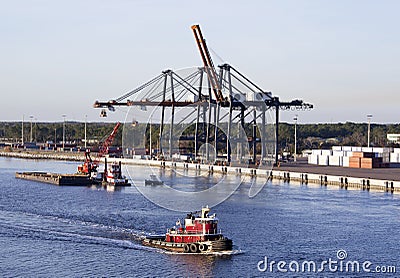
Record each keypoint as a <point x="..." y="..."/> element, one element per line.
<point x="381" y="179"/>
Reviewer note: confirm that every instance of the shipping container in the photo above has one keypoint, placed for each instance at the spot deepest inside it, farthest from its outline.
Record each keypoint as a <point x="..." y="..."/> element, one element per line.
<point x="335" y="160"/>
<point x="354" y="162"/>
<point x="323" y="160"/>
<point x="367" y="149"/>
<point x="396" y="150"/>
<point x="369" y="163"/>
<point x="316" y="152"/>
<point x="313" y="159"/>
<point x="346" y="161"/>
<point x="394" y="157"/>
<point x="326" y="152"/>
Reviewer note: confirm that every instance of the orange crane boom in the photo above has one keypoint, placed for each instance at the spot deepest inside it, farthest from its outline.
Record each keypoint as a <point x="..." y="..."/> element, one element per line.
<point x="208" y="63"/>
<point x="91" y="165"/>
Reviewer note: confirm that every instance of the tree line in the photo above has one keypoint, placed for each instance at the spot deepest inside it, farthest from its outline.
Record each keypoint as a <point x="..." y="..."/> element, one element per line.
<point x="308" y="135"/>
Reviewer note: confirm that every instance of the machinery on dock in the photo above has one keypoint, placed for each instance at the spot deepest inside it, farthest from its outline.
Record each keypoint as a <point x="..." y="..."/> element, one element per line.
<point x="112" y="174"/>
<point x="90" y="166"/>
<point x="198" y="234"/>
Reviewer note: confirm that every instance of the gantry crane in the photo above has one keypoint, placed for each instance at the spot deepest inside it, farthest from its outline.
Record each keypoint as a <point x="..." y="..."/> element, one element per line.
<point x="242" y="97"/>
<point x="208" y="64"/>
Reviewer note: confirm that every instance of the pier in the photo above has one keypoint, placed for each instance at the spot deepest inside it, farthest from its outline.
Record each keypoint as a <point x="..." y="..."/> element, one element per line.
<point x="381" y="179"/>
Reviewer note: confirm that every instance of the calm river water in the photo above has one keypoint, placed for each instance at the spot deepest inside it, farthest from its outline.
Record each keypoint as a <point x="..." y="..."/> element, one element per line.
<point x="47" y="230"/>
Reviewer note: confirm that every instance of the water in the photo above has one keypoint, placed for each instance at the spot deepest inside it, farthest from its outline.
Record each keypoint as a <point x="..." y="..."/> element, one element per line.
<point x="46" y="230"/>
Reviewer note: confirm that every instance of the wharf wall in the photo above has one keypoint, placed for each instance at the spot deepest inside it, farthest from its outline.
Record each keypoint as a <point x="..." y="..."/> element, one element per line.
<point x="343" y="181"/>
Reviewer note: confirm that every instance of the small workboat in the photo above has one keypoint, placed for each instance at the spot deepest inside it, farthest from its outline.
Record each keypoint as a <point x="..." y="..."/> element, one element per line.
<point x="199" y="234"/>
<point x="113" y="175"/>
<point x="153" y="181"/>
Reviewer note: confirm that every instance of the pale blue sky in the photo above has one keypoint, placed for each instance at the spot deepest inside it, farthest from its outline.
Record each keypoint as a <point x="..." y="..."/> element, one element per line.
<point x="58" y="57"/>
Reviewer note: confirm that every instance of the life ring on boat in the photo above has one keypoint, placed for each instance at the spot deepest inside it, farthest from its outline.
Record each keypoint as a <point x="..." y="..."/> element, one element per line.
<point x="193" y="248"/>
<point x="203" y="247"/>
<point x="186" y="248"/>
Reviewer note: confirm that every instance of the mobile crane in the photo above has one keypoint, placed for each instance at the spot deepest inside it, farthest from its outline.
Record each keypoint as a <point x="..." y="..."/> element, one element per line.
<point x="90" y="165"/>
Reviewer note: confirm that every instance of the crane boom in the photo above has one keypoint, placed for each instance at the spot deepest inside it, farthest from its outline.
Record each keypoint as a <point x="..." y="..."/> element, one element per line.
<point x="104" y="147"/>
<point x="208" y="63"/>
<point x="91" y="165"/>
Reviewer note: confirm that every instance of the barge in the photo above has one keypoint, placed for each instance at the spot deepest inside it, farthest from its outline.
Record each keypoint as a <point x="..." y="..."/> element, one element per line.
<point x="197" y="235"/>
<point x="55" y="178"/>
<point x="112" y="176"/>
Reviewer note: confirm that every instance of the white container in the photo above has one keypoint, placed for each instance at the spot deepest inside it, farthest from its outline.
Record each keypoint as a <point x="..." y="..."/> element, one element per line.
<point x="356" y="149"/>
<point x="323" y="160"/>
<point x="386" y="157"/>
<point x="346" y="148"/>
<point x="313" y="159"/>
<point x="396" y="150"/>
<point x="346" y="161"/>
<point x="348" y="153"/>
<point x="338" y="153"/>
<point x="316" y="151"/>
<point x="335" y="160"/>
<point x="326" y="152"/>
<point x="367" y="150"/>
<point x="336" y="148"/>
<point x="394" y="157"/>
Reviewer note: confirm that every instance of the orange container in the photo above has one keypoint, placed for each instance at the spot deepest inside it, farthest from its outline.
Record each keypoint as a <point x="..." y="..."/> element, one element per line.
<point x="354" y="162"/>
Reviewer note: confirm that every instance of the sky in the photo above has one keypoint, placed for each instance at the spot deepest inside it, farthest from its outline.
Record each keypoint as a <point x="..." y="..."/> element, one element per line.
<point x="58" y="57"/>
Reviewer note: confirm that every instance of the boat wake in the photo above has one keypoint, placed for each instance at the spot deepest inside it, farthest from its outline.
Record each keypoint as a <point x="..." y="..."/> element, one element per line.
<point x="55" y="228"/>
<point x="216" y="253"/>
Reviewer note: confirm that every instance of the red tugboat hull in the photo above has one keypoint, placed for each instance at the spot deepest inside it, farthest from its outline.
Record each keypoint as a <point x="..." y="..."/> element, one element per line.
<point x="197" y="235"/>
<point x="223" y="244"/>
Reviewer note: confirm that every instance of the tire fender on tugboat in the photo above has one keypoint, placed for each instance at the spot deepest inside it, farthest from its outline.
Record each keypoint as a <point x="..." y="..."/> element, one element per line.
<point x="193" y="248"/>
<point x="186" y="248"/>
<point x="203" y="247"/>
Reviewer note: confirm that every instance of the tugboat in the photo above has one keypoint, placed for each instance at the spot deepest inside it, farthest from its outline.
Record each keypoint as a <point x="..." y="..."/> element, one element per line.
<point x="197" y="235"/>
<point x="153" y="181"/>
<point x="113" y="175"/>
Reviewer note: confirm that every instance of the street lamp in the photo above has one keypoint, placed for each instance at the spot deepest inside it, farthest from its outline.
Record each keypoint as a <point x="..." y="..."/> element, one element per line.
<point x="22" y="130"/>
<point x="369" y="116"/>
<point x="295" y="138"/>
<point x="63" y="142"/>
<point x="85" y="130"/>
<point x="31" y="117"/>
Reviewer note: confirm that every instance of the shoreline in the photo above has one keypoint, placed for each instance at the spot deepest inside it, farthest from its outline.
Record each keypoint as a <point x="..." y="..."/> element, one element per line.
<point x="384" y="180"/>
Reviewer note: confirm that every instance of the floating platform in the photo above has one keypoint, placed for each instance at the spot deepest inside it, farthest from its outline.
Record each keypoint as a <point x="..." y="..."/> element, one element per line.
<point x="65" y="179"/>
<point x="57" y="179"/>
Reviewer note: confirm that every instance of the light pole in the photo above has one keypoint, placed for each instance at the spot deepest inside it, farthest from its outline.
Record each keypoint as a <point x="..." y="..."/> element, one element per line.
<point x="295" y="138"/>
<point x="31" y="117"/>
<point x="85" y="130"/>
<point x="63" y="142"/>
<point x="35" y="129"/>
<point x="369" y="116"/>
<point x="22" y="130"/>
<point x="150" y="150"/>
<point x="55" y="139"/>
